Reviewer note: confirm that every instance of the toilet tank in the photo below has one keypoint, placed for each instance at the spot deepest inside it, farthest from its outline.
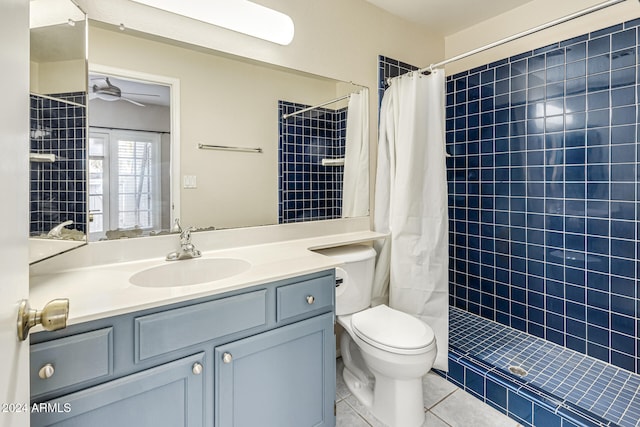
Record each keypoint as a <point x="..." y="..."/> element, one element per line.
<point x="354" y="280"/>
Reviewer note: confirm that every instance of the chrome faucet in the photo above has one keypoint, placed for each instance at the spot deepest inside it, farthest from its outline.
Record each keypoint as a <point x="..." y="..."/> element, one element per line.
<point x="187" y="249"/>
<point x="56" y="232"/>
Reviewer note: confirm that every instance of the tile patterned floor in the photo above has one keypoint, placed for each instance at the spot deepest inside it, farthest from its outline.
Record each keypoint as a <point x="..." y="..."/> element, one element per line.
<point x="603" y="389"/>
<point x="445" y="404"/>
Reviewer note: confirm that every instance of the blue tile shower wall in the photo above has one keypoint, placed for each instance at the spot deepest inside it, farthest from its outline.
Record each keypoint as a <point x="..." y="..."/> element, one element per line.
<point x="307" y="190"/>
<point x="387" y="68"/>
<point x="58" y="190"/>
<point x="544" y="190"/>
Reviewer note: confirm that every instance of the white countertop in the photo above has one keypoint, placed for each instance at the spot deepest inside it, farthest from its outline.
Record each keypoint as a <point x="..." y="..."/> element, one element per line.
<point x="104" y="291"/>
<point x="41" y="248"/>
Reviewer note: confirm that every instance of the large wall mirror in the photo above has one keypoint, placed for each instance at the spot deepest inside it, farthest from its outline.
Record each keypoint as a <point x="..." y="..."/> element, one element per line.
<point x="58" y="82"/>
<point x="219" y="131"/>
<point x="181" y="132"/>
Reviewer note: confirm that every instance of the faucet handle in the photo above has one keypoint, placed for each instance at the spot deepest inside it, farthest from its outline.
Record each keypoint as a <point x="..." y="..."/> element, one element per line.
<point x="185" y="235"/>
<point x="187" y="250"/>
<point x="56" y="231"/>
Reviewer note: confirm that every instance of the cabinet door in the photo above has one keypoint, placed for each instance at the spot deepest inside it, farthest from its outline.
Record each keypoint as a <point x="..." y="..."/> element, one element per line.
<point x="170" y="395"/>
<point x="280" y="378"/>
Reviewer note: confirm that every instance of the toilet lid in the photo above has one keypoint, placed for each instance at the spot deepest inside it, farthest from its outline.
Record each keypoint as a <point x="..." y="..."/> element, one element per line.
<point x="382" y="326"/>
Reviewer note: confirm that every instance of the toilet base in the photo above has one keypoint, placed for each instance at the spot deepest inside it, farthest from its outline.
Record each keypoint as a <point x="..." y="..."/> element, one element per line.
<point x="398" y="403"/>
<point x="395" y="402"/>
<point x="359" y="380"/>
<point x="362" y="392"/>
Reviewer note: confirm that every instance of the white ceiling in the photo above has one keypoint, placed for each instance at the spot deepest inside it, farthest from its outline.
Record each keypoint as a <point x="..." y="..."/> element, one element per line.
<point x="446" y="17"/>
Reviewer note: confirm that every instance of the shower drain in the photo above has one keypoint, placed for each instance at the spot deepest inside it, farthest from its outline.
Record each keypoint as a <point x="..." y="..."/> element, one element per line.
<point x="517" y="370"/>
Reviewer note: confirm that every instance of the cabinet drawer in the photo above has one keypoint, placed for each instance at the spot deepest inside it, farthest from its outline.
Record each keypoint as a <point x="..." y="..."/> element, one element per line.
<point x="169" y="395"/>
<point x="73" y="360"/>
<point x="171" y="330"/>
<point x="304" y="297"/>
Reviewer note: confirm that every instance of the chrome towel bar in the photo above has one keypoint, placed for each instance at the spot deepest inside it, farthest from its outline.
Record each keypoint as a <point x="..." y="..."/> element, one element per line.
<point x="229" y="148"/>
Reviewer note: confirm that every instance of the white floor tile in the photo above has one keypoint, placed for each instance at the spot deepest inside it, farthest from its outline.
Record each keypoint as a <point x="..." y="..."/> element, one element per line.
<point x="435" y="388"/>
<point x="430" y="420"/>
<point x="347" y="417"/>
<point x="363" y="411"/>
<point x="461" y="409"/>
<point x="433" y="421"/>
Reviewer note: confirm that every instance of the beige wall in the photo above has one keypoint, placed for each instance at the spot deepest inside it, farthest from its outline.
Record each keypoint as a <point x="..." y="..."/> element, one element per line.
<point x="339" y="39"/>
<point x="58" y="77"/>
<point x="528" y="16"/>
<point x="223" y="101"/>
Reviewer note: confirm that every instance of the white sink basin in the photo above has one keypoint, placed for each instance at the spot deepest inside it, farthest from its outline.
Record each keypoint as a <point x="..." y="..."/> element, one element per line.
<point x="189" y="272"/>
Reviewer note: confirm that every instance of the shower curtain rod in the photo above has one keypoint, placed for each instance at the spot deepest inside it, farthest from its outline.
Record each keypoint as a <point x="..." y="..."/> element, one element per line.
<point x="304" y="110"/>
<point x="127" y="129"/>
<point x="530" y="31"/>
<point x="53" y="98"/>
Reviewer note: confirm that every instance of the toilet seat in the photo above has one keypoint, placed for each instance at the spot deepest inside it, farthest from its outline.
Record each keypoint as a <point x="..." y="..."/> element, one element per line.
<point x="392" y="330"/>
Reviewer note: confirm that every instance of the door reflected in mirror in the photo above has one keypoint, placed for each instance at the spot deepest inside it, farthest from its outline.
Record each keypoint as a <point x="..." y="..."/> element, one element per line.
<point x="130" y="157"/>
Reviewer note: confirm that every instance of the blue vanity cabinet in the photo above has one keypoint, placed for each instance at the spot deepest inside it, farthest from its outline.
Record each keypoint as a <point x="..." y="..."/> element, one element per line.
<point x="170" y="395"/>
<point x="259" y="356"/>
<point x="284" y="377"/>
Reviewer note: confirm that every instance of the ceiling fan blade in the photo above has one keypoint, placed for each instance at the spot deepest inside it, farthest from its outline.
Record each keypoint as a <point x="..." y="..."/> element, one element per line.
<point x="139" y="94"/>
<point x="133" y="102"/>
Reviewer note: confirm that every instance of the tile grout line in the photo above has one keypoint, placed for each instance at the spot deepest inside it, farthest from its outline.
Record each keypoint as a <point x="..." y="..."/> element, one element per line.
<point x="582" y="377"/>
<point x="442" y="400"/>
<point x="611" y="406"/>
<point x="364" y="418"/>
<point x="629" y="406"/>
<point x="443" y="421"/>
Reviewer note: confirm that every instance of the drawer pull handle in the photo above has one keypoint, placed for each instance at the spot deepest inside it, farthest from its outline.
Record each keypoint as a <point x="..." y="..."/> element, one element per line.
<point x="227" y="358"/>
<point x="310" y="299"/>
<point x="196" y="368"/>
<point x="46" y="371"/>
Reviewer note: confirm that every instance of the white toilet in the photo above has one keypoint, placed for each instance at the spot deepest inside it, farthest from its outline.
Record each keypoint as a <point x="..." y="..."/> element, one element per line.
<point x="386" y="352"/>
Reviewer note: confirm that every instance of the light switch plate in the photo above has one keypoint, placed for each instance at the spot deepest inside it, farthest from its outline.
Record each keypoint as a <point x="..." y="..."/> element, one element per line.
<point x="189" y="181"/>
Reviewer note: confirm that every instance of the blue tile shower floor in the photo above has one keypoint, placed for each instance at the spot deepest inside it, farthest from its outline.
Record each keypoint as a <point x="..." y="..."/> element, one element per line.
<point x="571" y="377"/>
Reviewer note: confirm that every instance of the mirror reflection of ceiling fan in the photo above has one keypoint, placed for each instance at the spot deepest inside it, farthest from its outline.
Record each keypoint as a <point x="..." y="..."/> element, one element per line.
<point x="107" y="91"/>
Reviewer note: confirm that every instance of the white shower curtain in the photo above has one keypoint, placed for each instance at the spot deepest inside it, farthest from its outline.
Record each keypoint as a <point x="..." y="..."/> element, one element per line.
<point x="355" y="190"/>
<point x="411" y="204"/>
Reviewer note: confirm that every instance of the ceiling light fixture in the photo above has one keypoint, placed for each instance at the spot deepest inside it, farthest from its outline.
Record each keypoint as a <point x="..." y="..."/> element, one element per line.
<point x="242" y="16"/>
